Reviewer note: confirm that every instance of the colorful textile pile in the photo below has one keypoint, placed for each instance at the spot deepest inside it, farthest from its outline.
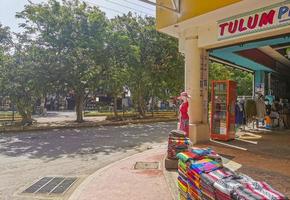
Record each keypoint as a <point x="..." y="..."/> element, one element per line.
<point x="203" y="177"/>
<point x="195" y="172"/>
<point x="183" y="164"/>
<point x="257" y="190"/>
<point x="177" y="142"/>
<point x="207" y="153"/>
<point x="208" y="180"/>
<point x="224" y="188"/>
<point x="191" y="166"/>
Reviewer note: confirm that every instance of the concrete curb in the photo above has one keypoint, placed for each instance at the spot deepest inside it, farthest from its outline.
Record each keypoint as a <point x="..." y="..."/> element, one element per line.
<point x="77" y="193"/>
<point x="83" y="125"/>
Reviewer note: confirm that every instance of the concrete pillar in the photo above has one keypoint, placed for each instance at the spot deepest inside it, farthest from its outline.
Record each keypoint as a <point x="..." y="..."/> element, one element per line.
<point x="198" y="128"/>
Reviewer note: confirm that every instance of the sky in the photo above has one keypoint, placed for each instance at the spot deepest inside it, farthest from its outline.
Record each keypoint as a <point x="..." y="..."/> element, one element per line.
<point x="8" y="9"/>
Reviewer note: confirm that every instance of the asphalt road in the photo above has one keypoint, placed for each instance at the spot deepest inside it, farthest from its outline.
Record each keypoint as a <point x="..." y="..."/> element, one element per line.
<point x="26" y="157"/>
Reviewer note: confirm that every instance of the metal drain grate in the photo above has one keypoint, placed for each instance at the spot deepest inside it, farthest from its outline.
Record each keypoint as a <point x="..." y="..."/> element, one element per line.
<point x="51" y="185"/>
<point x="146" y="165"/>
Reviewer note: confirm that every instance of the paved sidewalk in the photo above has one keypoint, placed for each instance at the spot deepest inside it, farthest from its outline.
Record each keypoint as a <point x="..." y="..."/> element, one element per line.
<point x="62" y="117"/>
<point x="121" y="181"/>
<point x="60" y="120"/>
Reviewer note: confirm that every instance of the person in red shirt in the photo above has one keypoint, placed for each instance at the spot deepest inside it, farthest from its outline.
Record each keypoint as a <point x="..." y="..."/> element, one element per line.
<point x="183" y="113"/>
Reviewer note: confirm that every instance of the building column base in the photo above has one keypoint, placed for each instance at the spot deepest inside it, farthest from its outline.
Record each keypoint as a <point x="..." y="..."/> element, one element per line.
<point x="199" y="133"/>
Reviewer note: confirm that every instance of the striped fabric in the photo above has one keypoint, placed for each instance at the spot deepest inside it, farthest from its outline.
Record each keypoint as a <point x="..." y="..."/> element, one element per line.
<point x="182" y="184"/>
<point x="205" y="166"/>
<point x="211" y="177"/>
<point x="182" y="165"/>
<point x="177" y="143"/>
<point x="264" y="190"/>
<point x="182" y="173"/>
<point x="201" y="151"/>
<point x="229" y="184"/>
<point x="245" y="194"/>
<point x="186" y="156"/>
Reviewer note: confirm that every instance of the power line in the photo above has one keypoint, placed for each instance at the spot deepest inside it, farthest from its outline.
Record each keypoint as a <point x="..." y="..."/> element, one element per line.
<point x="138" y="5"/>
<point x="129" y="8"/>
<point x="111" y="9"/>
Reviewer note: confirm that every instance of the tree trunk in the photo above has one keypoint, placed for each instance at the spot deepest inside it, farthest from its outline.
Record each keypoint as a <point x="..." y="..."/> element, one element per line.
<point x="79" y="107"/>
<point x="152" y="106"/>
<point x="141" y="106"/>
<point x="25" y="115"/>
<point x="115" y="106"/>
<point x="42" y="104"/>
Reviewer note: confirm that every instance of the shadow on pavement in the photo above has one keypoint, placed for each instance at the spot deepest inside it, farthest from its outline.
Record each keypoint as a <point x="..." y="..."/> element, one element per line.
<point x="53" y="144"/>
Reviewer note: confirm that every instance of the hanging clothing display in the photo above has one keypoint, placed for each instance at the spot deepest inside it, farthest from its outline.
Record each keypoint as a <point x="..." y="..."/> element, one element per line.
<point x="251" y="109"/>
<point x="268" y="109"/>
<point x="270" y="98"/>
<point x="261" y="108"/>
<point x="240" y="114"/>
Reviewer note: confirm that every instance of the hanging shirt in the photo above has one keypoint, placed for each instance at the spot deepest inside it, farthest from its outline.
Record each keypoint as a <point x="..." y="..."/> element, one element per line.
<point x="268" y="109"/>
<point x="271" y="98"/>
<point x="183" y="110"/>
<point x="239" y="113"/>
<point x="261" y="108"/>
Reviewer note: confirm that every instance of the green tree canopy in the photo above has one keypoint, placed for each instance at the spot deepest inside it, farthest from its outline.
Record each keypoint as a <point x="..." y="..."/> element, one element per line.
<point x="221" y="72"/>
<point x="74" y="35"/>
<point x="154" y="59"/>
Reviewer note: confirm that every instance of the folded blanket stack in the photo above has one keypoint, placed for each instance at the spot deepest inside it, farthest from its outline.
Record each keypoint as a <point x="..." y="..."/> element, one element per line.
<point x="185" y="159"/>
<point x="203" y="177"/>
<point x="224" y="188"/>
<point x="177" y="142"/>
<point x="257" y="190"/>
<point x="195" y="172"/>
<point x="190" y="167"/>
<point x="208" y="180"/>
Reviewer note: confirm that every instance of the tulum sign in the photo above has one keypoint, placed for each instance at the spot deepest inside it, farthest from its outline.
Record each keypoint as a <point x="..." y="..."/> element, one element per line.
<point x="271" y="17"/>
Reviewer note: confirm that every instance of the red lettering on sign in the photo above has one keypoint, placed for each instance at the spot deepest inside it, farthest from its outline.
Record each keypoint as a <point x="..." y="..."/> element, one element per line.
<point x="253" y="21"/>
<point x="222" y="27"/>
<point x="233" y="26"/>
<point x="247" y="23"/>
<point x="267" y="18"/>
<point x="241" y="25"/>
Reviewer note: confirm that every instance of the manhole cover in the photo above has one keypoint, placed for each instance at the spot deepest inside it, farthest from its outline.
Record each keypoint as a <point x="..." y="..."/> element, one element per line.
<point x="51" y="185"/>
<point x="146" y="165"/>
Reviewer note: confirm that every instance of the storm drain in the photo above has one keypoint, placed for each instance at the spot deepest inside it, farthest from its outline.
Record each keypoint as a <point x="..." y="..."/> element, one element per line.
<point x="146" y="165"/>
<point x="51" y="185"/>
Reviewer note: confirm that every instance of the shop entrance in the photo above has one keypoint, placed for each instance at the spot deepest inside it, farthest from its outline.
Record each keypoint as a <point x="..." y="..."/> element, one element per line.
<point x="267" y="58"/>
<point x="269" y="61"/>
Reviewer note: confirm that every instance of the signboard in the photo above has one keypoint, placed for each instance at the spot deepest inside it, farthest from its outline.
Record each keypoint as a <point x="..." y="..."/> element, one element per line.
<point x="271" y="17"/>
